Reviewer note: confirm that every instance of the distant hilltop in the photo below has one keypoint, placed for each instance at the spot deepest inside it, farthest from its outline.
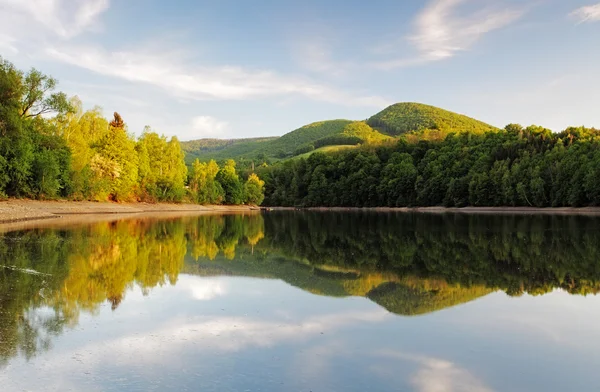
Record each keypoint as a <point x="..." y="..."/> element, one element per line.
<point x="332" y="135"/>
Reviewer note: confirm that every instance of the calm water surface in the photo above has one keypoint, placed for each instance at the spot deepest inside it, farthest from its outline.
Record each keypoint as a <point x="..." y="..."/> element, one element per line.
<point x="290" y="301"/>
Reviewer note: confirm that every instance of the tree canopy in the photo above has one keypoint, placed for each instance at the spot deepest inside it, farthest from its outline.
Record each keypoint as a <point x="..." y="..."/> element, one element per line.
<point x="51" y="148"/>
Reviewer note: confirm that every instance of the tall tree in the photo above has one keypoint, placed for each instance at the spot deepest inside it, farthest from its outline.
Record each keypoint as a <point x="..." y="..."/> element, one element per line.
<point x="116" y="161"/>
<point x="254" y="190"/>
<point x="230" y="181"/>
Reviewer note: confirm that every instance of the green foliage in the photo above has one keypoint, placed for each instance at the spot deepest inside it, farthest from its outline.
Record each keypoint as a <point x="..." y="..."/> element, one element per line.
<point x="50" y="169"/>
<point x="337" y="140"/>
<point x="221" y="149"/>
<point x="265" y="148"/>
<point x="364" y="132"/>
<point x="403" y="118"/>
<point x="162" y="171"/>
<point x="50" y="148"/>
<point x="425" y="122"/>
<point x="305" y="135"/>
<point x="116" y="161"/>
<point x="529" y="167"/>
<point x="230" y="181"/>
<point x="254" y="190"/>
<point x="324" y="150"/>
<point x="38" y="99"/>
<point x="204" y="186"/>
<point x="33" y="163"/>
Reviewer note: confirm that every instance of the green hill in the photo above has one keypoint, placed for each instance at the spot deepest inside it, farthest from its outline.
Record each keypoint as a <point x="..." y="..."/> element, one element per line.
<point x="403" y="118"/>
<point x="398" y="119"/>
<point x="282" y="147"/>
<point x="287" y="145"/>
<point x="412" y="301"/>
<point x="205" y="149"/>
<point x="325" y="150"/>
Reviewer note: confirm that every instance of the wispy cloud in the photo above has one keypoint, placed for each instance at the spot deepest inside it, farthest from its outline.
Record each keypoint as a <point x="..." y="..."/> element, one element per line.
<point x="590" y="13"/>
<point x="188" y="81"/>
<point x="63" y="18"/>
<point x="441" y="31"/>
<point x="316" y="56"/>
<point x="208" y="126"/>
<point x="435" y="374"/>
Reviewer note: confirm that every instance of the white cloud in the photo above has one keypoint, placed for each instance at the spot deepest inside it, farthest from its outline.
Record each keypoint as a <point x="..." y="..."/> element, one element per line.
<point x="590" y="13"/>
<point x="207" y="126"/>
<point x="435" y="374"/>
<point x="441" y="31"/>
<point x="206" y="289"/>
<point x="63" y="18"/>
<point x="225" y="334"/>
<point x="186" y="81"/>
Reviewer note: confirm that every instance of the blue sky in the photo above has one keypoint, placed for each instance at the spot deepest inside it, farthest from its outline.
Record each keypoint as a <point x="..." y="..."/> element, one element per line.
<point x="256" y="68"/>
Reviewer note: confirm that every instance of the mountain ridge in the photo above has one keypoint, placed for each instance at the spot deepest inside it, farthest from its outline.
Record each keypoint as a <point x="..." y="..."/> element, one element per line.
<point x="403" y="118"/>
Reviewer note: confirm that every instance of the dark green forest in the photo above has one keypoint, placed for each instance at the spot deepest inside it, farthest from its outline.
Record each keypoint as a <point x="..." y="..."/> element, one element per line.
<point x="516" y="166"/>
<point x="51" y="148"/>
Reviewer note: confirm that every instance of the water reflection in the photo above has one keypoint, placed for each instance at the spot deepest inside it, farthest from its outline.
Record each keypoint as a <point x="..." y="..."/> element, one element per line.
<point x="409" y="264"/>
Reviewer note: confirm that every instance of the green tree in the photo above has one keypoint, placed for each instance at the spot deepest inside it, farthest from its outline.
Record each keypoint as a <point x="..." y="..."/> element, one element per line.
<point x="204" y="186"/>
<point x="162" y="171"/>
<point x="116" y="161"/>
<point x="254" y="190"/>
<point x="231" y="184"/>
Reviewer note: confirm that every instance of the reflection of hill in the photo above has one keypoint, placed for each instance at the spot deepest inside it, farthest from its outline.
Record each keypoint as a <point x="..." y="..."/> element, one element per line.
<point x="406" y="300"/>
<point x="403" y="296"/>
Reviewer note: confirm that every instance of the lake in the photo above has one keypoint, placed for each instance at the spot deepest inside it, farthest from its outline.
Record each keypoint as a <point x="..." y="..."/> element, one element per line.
<point x="303" y="301"/>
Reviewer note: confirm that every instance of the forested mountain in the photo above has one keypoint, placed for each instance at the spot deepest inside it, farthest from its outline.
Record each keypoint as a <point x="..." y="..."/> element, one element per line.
<point x="403" y="118"/>
<point x="421" y="121"/>
<point x="299" y="141"/>
<point x="221" y="148"/>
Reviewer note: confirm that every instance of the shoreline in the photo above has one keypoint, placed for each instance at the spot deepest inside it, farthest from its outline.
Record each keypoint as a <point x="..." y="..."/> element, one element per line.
<point x="24" y="214"/>
<point x="591" y="211"/>
<point x="31" y="213"/>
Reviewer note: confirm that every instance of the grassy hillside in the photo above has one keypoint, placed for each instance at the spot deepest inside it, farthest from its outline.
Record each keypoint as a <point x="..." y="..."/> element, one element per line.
<point x="366" y="133"/>
<point x="206" y="149"/>
<point x="287" y="145"/>
<point x="272" y="148"/>
<point x="325" y="150"/>
<point x="428" y="122"/>
<point x="403" y="118"/>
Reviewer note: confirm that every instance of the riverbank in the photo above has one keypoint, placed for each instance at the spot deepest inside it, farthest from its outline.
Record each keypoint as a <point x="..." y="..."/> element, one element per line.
<point x="16" y="210"/>
<point x="463" y="210"/>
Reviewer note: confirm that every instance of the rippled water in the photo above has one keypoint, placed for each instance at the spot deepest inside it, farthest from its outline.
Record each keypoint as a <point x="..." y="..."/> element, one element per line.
<point x="300" y="301"/>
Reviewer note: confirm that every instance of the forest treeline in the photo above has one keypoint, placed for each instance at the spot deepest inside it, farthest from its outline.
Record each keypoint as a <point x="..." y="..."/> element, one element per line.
<point x="515" y="166"/>
<point x="51" y="148"/>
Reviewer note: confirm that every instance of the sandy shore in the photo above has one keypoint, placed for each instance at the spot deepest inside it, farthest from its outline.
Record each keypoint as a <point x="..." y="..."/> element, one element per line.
<point x="27" y="211"/>
<point x="22" y="214"/>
